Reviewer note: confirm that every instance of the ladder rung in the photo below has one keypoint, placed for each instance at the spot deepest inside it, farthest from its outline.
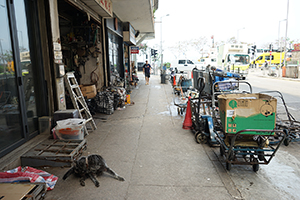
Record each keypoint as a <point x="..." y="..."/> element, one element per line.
<point x="77" y="98"/>
<point x="87" y="120"/>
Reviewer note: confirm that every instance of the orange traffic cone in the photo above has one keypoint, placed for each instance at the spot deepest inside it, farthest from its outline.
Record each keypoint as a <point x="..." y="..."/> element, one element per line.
<point x="187" y="124"/>
<point x="174" y="80"/>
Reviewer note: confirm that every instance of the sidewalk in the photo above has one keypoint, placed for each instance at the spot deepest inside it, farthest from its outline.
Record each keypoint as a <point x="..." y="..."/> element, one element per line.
<point x="264" y="74"/>
<point x="145" y="144"/>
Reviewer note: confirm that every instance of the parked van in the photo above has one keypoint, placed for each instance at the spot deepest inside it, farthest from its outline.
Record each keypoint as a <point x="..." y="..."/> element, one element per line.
<point x="275" y="59"/>
<point x="183" y="65"/>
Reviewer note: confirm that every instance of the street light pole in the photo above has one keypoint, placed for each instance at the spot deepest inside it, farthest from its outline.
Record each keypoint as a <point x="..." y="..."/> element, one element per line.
<point x="161" y="54"/>
<point x="279" y="41"/>
<point x="287" y="17"/>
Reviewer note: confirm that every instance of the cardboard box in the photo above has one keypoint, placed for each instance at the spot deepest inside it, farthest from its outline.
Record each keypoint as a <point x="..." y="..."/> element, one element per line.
<point x="247" y="111"/>
<point x="88" y="91"/>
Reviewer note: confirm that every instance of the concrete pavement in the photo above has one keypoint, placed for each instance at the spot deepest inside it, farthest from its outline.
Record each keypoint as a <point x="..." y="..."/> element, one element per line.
<point x="265" y="74"/>
<point x="145" y="144"/>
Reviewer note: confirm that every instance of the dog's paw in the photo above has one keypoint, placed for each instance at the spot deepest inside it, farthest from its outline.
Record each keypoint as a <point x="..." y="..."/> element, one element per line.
<point x="119" y="178"/>
<point x="97" y="184"/>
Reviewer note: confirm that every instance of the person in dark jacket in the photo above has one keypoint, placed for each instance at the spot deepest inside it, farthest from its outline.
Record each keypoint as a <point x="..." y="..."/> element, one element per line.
<point x="146" y="70"/>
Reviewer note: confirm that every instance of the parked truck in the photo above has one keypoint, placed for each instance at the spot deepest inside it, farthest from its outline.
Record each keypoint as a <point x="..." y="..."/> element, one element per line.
<point x="234" y="58"/>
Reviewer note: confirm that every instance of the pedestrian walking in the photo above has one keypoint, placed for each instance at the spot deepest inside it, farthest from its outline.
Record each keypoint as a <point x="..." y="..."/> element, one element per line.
<point x="146" y="71"/>
<point x="266" y="64"/>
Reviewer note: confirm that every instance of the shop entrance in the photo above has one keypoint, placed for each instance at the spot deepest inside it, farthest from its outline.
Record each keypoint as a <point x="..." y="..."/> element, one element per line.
<point x="18" y="85"/>
<point x="81" y="41"/>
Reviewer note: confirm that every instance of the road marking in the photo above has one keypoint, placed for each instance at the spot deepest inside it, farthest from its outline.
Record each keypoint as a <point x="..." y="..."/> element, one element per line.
<point x="288" y="107"/>
<point x="291" y="108"/>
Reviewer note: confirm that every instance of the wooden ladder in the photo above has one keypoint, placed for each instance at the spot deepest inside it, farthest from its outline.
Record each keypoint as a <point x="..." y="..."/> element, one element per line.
<point x="79" y="102"/>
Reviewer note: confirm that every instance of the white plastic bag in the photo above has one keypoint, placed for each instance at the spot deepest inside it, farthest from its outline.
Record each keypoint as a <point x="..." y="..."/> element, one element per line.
<point x="70" y="129"/>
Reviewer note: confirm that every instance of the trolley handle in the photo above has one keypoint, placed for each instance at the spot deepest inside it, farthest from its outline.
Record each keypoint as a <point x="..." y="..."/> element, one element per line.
<point x="200" y="84"/>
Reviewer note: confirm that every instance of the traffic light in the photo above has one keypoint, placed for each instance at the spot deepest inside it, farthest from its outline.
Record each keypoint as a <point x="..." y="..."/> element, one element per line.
<point x="152" y="52"/>
<point x="155" y="53"/>
<point x="252" y="50"/>
<point x="271" y="47"/>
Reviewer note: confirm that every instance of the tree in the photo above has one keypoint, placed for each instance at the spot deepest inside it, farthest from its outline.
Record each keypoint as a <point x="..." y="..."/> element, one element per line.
<point x="180" y="48"/>
<point x="199" y="44"/>
<point x="143" y="47"/>
<point x="7" y="56"/>
<point x="232" y="40"/>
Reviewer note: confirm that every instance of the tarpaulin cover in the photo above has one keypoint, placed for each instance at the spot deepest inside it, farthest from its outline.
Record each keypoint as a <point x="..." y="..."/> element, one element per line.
<point x="28" y="174"/>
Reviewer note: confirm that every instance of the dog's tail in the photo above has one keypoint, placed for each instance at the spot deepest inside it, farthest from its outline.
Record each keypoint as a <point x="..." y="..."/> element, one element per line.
<point x="69" y="172"/>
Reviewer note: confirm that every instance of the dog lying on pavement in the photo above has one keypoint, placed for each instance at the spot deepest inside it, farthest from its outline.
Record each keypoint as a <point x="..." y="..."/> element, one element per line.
<point x="88" y="167"/>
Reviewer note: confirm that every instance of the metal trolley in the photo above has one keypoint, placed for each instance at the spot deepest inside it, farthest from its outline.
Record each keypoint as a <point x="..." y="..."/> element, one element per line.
<point x="245" y="147"/>
<point x="181" y="91"/>
<point x="285" y="121"/>
<point x="249" y="151"/>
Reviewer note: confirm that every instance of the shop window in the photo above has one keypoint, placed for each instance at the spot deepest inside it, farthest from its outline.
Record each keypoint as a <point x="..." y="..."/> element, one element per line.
<point x="10" y="115"/>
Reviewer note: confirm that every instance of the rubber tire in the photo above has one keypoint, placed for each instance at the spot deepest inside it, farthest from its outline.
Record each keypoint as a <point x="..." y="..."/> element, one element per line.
<point x="221" y="150"/>
<point x="200" y="139"/>
<point x="181" y="111"/>
<point x="287" y="141"/>
<point x="228" y="166"/>
<point x="178" y="111"/>
<point x="261" y="156"/>
<point x="255" y="167"/>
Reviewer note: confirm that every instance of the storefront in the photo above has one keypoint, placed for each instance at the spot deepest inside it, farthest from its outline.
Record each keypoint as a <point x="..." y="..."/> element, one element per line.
<point x="129" y="35"/>
<point x="22" y="84"/>
<point x="81" y="36"/>
<point x="115" y="48"/>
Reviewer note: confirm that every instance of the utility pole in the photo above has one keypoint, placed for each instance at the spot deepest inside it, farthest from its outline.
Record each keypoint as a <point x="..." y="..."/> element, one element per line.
<point x="287" y="17"/>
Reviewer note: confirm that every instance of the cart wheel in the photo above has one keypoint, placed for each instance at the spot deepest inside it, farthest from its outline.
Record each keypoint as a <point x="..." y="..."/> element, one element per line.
<point x="178" y="110"/>
<point x="221" y="150"/>
<point x="261" y="156"/>
<point x="200" y="138"/>
<point x="228" y="166"/>
<point x="255" y="167"/>
<point x="231" y="156"/>
<point x="181" y="111"/>
<point x="287" y="141"/>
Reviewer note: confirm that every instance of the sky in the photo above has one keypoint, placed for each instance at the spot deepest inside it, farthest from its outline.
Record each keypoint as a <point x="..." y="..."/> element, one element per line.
<point x="252" y="21"/>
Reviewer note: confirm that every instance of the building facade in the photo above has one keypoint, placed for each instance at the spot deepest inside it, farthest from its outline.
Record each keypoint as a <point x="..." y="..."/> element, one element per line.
<point x="41" y="40"/>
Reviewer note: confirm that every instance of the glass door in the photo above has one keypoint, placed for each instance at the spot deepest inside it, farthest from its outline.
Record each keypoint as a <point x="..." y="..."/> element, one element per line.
<point x="18" y="110"/>
<point x="26" y="66"/>
<point x="10" y="116"/>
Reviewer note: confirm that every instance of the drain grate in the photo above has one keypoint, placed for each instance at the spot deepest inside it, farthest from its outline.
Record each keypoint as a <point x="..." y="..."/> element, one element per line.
<point x="54" y="153"/>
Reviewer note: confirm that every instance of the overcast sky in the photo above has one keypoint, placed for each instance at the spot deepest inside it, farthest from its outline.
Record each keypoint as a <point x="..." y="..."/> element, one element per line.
<point x="224" y="19"/>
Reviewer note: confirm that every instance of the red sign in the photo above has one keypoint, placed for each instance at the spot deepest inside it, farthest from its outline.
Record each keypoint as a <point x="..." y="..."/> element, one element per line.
<point x="297" y="47"/>
<point x="134" y="50"/>
<point x="106" y="5"/>
<point x="270" y="53"/>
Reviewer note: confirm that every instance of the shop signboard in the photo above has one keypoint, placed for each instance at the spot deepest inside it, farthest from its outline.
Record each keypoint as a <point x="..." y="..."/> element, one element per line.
<point x="297" y="47"/>
<point x="106" y="5"/>
<point x="129" y="33"/>
<point x="134" y="50"/>
<point x="101" y="7"/>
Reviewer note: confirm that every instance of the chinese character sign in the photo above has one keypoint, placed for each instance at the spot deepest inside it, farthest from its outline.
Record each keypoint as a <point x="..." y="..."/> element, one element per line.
<point x="106" y="5"/>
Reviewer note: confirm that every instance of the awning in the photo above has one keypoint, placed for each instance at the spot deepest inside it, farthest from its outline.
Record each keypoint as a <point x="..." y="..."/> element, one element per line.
<point x="102" y="7"/>
<point x="95" y="8"/>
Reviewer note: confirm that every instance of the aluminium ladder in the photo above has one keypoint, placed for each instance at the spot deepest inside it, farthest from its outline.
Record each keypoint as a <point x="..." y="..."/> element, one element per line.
<point x="78" y="101"/>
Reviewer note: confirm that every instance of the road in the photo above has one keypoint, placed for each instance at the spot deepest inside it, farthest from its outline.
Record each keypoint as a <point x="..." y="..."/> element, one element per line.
<point x="281" y="178"/>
